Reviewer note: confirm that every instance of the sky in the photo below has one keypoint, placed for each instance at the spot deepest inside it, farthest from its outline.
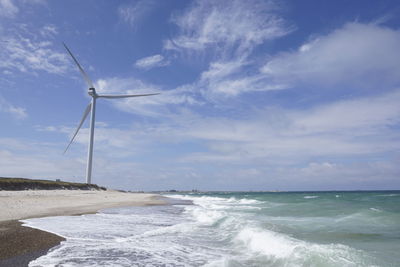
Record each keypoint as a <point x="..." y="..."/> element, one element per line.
<point x="254" y="95"/>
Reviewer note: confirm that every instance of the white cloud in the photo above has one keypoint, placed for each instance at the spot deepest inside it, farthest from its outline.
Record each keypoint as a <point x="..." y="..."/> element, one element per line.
<point x="232" y="29"/>
<point x="222" y="69"/>
<point x="135" y="11"/>
<point x="318" y="146"/>
<point x="232" y="78"/>
<point x="110" y="141"/>
<point x="158" y="105"/>
<point x="232" y="86"/>
<point x="17" y="112"/>
<point x="223" y="78"/>
<point x="8" y="9"/>
<point x="114" y="142"/>
<point x="26" y="54"/>
<point x="358" y="175"/>
<point x="33" y="159"/>
<point x="370" y="114"/>
<point x="17" y="165"/>
<point x="44" y="161"/>
<point x="151" y="62"/>
<point x="227" y="25"/>
<point x="124" y="86"/>
<point x="359" y="127"/>
<point x="48" y="31"/>
<point x="12" y="144"/>
<point x="356" y="54"/>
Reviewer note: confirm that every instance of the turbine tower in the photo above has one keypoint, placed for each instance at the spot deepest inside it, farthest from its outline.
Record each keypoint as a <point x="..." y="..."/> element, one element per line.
<point x="91" y="108"/>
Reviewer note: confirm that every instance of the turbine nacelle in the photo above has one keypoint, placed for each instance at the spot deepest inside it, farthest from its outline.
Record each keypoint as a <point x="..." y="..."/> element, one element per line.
<point x="92" y="92"/>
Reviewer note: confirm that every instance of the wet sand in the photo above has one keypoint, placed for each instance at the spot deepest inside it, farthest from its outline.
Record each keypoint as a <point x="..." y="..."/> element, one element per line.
<point x="19" y="244"/>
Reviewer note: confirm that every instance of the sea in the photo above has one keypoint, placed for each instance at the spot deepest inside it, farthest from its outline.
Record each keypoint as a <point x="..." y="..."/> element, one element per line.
<point x="234" y="229"/>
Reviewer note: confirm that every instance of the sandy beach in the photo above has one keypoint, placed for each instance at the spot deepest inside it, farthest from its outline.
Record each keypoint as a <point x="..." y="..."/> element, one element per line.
<point x="19" y="245"/>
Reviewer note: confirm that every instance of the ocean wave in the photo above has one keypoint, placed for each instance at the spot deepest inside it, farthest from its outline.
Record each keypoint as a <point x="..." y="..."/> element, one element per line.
<point x="388" y="195"/>
<point x="274" y="248"/>
<point x="231" y="230"/>
<point x="217" y="202"/>
<point x="266" y="242"/>
<point x="207" y="217"/>
<point x="375" y="209"/>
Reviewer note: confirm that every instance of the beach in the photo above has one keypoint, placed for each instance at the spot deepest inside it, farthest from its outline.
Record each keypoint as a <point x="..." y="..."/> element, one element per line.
<point x="19" y="244"/>
<point x="212" y="229"/>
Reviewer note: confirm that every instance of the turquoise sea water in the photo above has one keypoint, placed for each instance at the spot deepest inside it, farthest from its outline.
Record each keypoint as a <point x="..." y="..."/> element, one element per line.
<point x="235" y="229"/>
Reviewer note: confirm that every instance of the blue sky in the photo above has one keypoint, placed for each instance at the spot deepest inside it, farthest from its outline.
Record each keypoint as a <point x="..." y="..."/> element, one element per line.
<point x="255" y="95"/>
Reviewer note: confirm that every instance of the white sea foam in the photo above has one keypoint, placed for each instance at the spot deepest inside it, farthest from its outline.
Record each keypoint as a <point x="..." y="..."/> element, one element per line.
<point x="215" y="231"/>
<point x="389" y="195"/>
<point x="140" y="239"/>
<point x="278" y="249"/>
<point x="311" y="197"/>
<point x="249" y="201"/>
<point x="375" y="209"/>
<point x="205" y="216"/>
<point x="207" y="200"/>
<point x="266" y="242"/>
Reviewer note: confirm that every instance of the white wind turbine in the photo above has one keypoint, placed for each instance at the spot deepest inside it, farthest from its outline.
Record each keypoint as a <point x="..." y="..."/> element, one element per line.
<point x="92" y="109"/>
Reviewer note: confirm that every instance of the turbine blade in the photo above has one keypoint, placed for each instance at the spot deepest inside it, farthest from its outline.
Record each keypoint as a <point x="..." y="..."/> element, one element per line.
<point x="85" y="76"/>
<point x="124" y="96"/>
<point x="85" y="114"/>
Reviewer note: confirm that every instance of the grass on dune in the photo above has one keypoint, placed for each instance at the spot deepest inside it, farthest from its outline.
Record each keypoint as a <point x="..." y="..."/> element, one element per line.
<point x="27" y="184"/>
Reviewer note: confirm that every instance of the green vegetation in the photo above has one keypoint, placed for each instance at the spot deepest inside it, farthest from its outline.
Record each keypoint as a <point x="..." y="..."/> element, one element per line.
<point x="32" y="184"/>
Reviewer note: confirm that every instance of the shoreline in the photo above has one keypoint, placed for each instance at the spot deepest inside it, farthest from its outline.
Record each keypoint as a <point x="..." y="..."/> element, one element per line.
<point x="21" y="244"/>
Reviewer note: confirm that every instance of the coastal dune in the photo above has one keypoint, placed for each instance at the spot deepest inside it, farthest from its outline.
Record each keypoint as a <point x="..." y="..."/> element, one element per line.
<point x="19" y="245"/>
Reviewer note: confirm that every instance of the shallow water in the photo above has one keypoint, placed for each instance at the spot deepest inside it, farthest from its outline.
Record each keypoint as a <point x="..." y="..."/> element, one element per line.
<point x="235" y="229"/>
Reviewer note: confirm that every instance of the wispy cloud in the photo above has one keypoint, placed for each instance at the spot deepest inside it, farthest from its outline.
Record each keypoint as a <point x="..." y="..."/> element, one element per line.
<point x="230" y="31"/>
<point x="236" y="26"/>
<point x="11" y="8"/>
<point x="26" y="52"/>
<point x="151" y="62"/>
<point x="17" y="112"/>
<point x="232" y="78"/>
<point x="159" y="105"/>
<point x="355" y="55"/>
<point x="135" y="11"/>
<point x="8" y="9"/>
<point x="48" y="31"/>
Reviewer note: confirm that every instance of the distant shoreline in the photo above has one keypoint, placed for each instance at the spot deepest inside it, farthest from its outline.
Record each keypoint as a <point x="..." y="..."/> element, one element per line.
<point x="19" y="244"/>
<point x="18" y="184"/>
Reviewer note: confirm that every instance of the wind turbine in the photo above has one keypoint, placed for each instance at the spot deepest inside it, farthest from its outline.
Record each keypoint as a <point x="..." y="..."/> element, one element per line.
<point x="91" y="108"/>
